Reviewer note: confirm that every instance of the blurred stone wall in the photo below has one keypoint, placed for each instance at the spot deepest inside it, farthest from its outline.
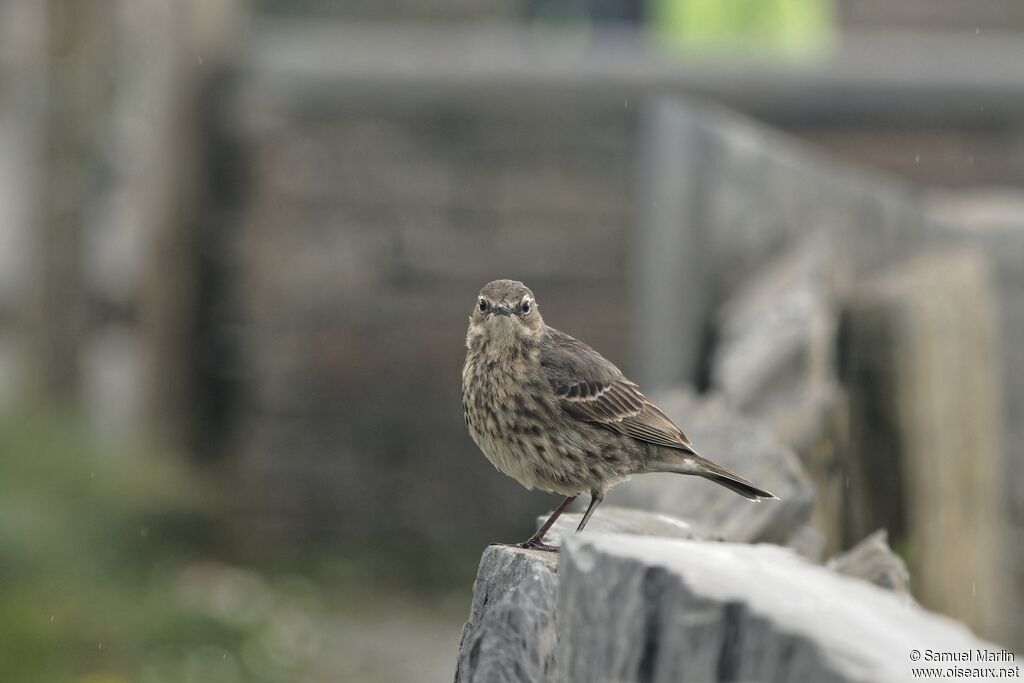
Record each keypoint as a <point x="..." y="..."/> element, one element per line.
<point x="370" y="230"/>
<point x="931" y="154"/>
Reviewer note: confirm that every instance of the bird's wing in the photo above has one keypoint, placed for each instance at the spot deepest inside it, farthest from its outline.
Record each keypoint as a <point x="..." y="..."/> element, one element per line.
<point x="591" y="389"/>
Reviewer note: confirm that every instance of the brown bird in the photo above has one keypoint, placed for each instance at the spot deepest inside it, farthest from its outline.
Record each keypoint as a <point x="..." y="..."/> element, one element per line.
<point x="553" y="414"/>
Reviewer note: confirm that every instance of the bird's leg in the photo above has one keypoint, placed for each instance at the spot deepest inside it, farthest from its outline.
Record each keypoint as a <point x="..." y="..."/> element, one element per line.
<point x="536" y="542"/>
<point x="595" y="499"/>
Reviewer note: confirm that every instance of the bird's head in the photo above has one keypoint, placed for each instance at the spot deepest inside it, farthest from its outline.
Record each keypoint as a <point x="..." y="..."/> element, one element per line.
<point x="504" y="311"/>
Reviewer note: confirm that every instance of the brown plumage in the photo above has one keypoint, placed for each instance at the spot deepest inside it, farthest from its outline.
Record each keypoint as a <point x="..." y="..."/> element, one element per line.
<point x="552" y="413"/>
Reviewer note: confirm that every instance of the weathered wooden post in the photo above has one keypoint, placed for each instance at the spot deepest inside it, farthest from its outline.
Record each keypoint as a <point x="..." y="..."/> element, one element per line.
<point x="922" y="369"/>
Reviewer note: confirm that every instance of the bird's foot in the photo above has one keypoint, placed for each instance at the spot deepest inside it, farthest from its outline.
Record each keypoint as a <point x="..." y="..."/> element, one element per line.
<point x="531" y="544"/>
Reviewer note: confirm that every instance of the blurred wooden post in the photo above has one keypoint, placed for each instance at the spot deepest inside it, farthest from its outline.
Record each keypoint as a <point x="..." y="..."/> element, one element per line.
<point x="104" y="176"/>
<point x="993" y="220"/>
<point x="111" y="117"/>
<point x="168" y="195"/>
<point x="22" y="70"/>
<point x="79" y="48"/>
<point x="921" y="364"/>
<point x="669" y="294"/>
<point x="160" y="201"/>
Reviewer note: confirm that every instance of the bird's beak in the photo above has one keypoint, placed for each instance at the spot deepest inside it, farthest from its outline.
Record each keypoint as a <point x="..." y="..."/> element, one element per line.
<point x="502" y="309"/>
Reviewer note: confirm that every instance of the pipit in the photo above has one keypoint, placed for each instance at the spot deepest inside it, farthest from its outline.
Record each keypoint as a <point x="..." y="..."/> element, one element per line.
<point x="553" y="414"/>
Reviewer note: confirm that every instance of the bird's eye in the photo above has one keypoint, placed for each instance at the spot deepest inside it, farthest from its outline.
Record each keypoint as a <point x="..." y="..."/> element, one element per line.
<point x="482" y="305"/>
<point x="525" y="306"/>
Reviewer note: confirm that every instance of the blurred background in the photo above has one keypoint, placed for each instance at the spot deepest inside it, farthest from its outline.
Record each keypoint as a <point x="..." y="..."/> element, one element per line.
<point x="240" y="239"/>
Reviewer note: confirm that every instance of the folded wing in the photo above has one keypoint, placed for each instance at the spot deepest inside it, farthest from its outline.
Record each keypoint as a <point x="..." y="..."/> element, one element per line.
<point x="591" y="389"/>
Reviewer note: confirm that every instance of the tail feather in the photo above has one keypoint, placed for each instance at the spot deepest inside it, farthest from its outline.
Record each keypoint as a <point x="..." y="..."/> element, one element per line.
<point x="691" y="463"/>
<point x="744" y="488"/>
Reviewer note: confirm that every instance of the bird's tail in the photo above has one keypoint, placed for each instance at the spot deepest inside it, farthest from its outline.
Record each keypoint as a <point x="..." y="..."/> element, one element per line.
<point x="691" y="463"/>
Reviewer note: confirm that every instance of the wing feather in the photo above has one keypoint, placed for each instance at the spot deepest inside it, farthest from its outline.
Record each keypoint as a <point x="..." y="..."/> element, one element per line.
<point x="591" y="389"/>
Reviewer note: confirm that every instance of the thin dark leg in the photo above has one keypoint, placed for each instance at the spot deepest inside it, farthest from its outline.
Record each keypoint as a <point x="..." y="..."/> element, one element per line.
<point x="536" y="542"/>
<point x="551" y="520"/>
<point x="595" y="500"/>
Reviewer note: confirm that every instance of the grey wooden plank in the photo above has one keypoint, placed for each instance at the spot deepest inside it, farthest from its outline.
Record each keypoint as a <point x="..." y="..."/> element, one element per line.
<point x="905" y="75"/>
